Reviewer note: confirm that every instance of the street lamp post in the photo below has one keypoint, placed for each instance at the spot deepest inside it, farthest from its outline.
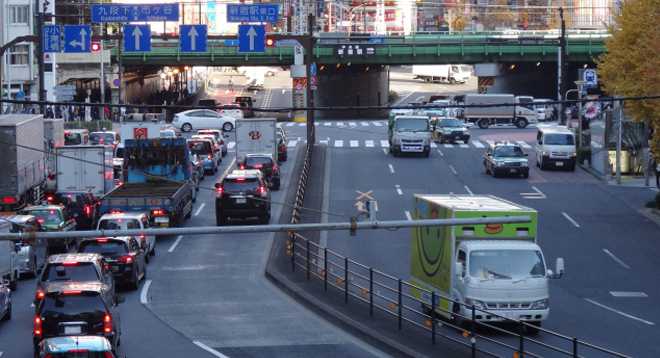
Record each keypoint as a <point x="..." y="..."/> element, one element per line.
<point x="580" y="89"/>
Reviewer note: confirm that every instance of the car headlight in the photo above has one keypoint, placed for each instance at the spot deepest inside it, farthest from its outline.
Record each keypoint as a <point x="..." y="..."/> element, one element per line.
<point x="540" y="304"/>
<point x="544" y="153"/>
<point x="524" y="164"/>
<point x="499" y="163"/>
<point x="476" y="303"/>
<point x="26" y="261"/>
<point x="573" y="154"/>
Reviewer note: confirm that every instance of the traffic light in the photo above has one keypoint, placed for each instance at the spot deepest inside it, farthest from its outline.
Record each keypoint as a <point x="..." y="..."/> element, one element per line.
<point x="96" y="47"/>
<point x="270" y="42"/>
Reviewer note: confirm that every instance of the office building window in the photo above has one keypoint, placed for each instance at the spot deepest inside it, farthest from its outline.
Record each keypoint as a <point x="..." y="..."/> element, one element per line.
<point x="19" y="55"/>
<point x="19" y="14"/>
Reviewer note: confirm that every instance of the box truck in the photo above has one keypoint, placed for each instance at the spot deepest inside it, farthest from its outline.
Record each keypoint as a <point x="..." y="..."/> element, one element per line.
<point x="54" y="134"/>
<point x="498" y="268"/>
<point x="442" y="73"/>
<point x="492" y="109"/>
<point x="22" y="150"/>
<point x="85" y="168"/>
<point x="256" y="136"/>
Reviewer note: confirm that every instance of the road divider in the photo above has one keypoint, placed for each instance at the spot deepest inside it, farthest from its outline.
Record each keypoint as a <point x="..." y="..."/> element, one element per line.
<point x="144" y="294"/>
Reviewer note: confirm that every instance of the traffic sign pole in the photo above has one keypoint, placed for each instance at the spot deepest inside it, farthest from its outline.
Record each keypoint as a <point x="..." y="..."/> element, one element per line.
<point x="40" y="55"/>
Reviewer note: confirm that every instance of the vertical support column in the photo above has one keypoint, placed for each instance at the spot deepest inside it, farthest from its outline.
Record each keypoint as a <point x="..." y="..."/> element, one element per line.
<point x="39" y="18"/>
<point x="309" y="59"/>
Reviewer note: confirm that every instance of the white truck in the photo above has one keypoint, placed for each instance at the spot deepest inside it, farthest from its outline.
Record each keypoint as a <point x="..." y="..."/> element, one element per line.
<point x="256" y="136"/>
<point x="442" y="73"/>
<point x="54" y="135"/>
<point x="492" y="109"/>
<point x="9" y="266"/>
<point x="85" y="168"/>
<point x="497" y="268"/>
<point x="409" y="134"/>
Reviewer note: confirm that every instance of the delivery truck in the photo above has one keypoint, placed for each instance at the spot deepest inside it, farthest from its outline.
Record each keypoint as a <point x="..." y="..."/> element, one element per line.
<point x="22" y="149"/>
<point x="86" y="169"/>
<point x="54" y="134"/>
<point x="497" y="268"/>
<point x="256" y="136"/>
<point x="442" y="73"/>
<point x="493" y="109"/>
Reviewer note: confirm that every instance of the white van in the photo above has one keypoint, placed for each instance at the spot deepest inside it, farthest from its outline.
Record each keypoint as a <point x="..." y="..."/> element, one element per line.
<point x="555" y="148"/>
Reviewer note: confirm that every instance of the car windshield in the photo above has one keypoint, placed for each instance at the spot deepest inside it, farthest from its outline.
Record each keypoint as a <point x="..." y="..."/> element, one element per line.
<point x="412" y="124"/>
<point x="81" y="271"/>
<point x="74" y="305"/>
<point x="47" y="216"/>
<point x="119" y="224"/>
<point x="258" y="161"/>
<point x="199" y="147"/>
<point x="105" y="248"/>
<point x="71" y="138"/>
<point x="101" y="138"/>
<point x="167" y="134"/>
<point x="506" y="264"/>
<point x="216" y="135"/>
<point x="241" y="185"/>
<point x="558" y="139"/>
<point x="509" y="151"/>
<point x="451" y="123"/>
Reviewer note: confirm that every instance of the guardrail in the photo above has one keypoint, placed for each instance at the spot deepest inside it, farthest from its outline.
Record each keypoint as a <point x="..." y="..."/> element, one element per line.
<point x="379" y="291"/>
<point x="302" y="184"/>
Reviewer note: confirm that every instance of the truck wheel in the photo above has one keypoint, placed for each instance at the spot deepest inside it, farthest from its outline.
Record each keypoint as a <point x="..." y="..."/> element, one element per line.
<point x="483" y="124"/>
<point x="220" y="220"/>
<point x="7" y="316"/>
<point x="13" y="283"/>
<point x="227" y="127"/>
<point x="521" y="123"/>
<point x="427" y="153"/>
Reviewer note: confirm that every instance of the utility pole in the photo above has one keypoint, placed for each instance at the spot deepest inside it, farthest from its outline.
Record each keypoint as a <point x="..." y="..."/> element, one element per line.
<point x="561" y="78"/>
<point x="39" y="18"/>
<point x="619" y="140"/>
<point x="309" y="59"/>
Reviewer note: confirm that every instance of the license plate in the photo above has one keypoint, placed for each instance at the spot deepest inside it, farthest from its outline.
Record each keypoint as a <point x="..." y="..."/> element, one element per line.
<point x="559" y="164"/>
<point x="512" y="170"/>
<point x="162" y="219"/>
<point x="114" y="268"/>
<point x="71" y="330"/>
<point x="411" y="149"/>
<point x="241" y="201"/>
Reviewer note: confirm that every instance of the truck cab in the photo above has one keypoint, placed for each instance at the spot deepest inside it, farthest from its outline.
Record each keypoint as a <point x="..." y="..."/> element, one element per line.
<point x="409" y="134"/>
<point x="76" y="137"/>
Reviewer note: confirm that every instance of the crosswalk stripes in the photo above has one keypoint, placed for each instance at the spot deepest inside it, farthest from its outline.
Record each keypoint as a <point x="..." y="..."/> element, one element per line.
<point x="369" y="143"/>
<point x="354" y="144"/>
<point x="340" y="124"/>
<point x="290" y="124"/>
<point x="327" y="124"/>
<point x="524" y="145"/>
<point x="352" y="124"/>
<point x="463" y="145"/>
<point x="302" y="124"/>
<point x="384" y="144"/>
<point x="292" y="143"/>
<point x="477" y="144"/>
<point x="377" y="124"/>
<point x="339" y="143"/>
<point x="231" y="145"/>
<point x="447" y="145"/>
<point x="365" y="124"/>
<point x="433" y="145"/>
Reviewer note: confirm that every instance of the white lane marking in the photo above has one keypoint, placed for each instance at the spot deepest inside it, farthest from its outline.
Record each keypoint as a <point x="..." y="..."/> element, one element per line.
<point x="327" y="124"/>
<point x="302" y="124"/>
<point x="352" y="124"/>
<point x="369" y="143"/>
<point x="283" y="91"/>
<point x="408" y="216"/>
<point x="619" y="312"/>
<point x="453" y="170"/>
<point x="144" y="298"/>
<point x="419" y="98"/>
<point x="199" y="210"/>
<point x="449" y="146"/>
<point x="364" y="124"/>
<point x="524" y="144"/>
<point x="433" y="145"/>
<point x="292" y="143"/>
<point x="324" y="141"/>
<point x="385" y="151"/>
<point x="463" y="145"/>
<point x="290" y="124"/>
<point x="175" y="244"/>
<point x="340" y="124"/>
<point x="570" y="219"/>
<point x="536" y="194"/>
<point x="618" y="260"/>
<point x="231" y="145"/>
<point x="354" y="143"/>
<point x="441" y="153"/>
<point x="468" y="190"/>
<point x="384" y="144"/>
<point x="629" y="294"/>
<point x="339" y="143"/>
<point x="377" y="124"/>
<point x="404" y="98"/>
<point x="490" y="142"/>
<point x="398" y="189"/>
<point x="391" y="168"/>
<point x="209" y="349"/>
<point x="478" y="144"/>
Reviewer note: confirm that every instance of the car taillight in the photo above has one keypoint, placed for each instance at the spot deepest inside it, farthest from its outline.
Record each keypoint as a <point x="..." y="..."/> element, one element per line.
<point x="72" y="292"/>
<point x="115" y="211"/>
<point x="275" y="168"/>
<point x="50" y="198"/>
<point x="70" y="263"/>
<point x="220" y="190"/>
<point x="258" y="166"/>
<point x="242" y="166"/>
<point x="209" y="156"/>
<point x="262" y="190"/>
<point x="107" y="323"/>
<point x="37" y="331"/>
<point x="9" y="200"/>
<point x="158" y="212"/>
<point x="39" y="295"/>
<point x="102" y="240"/>
<point x="88" y="211"/>
<point x="126" y="259"/>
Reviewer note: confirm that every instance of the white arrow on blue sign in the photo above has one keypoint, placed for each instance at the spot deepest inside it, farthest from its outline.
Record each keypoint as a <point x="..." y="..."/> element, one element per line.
<point x="192" y="38"/>
<point x="251" y="38"/>
<point x="137" y="38"/>
<point x="77" y="38"/>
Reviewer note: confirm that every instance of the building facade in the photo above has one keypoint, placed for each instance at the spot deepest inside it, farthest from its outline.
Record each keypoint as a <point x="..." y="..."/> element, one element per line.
<point x="18" y="65"/>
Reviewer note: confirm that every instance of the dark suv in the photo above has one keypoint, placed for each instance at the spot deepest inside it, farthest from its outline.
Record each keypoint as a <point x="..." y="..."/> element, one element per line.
<point x="75" y="309"/>
<point x="82" y="206"/>
<point x="72" y="268"/>
<point x="266" y="164"/>
<point x="506" y="158"/>
<point x="242" y="194"/>
<point x="123" y="257"/>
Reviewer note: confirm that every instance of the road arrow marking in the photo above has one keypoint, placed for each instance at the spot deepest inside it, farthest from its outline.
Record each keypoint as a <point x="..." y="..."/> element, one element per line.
<point x="193" y="37"/>
<point x="137" y="33"/>
<point x="251" y="33"/>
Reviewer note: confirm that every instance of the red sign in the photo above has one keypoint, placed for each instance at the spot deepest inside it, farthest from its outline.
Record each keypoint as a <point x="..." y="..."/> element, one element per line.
<point x="254" y="135"/>
<point x="140" y="133"/>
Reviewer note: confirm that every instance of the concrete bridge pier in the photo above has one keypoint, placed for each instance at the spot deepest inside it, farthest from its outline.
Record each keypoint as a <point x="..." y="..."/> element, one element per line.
<point x="352" y="85"/>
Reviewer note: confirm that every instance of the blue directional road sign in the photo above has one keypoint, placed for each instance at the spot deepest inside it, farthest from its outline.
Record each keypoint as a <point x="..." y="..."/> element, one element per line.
<point x="77" y="38"/>
<point x="192" y="38"/>
<point x="137" y="38"/>
<point x="253" y="12"/>
<point x="130" y="12"/>
<point x="52" y="38"/>
<point x="251" y="38"/>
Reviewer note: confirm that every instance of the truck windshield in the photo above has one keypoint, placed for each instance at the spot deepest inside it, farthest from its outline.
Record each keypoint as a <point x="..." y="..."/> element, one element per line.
<point x="412" y="124"/>
<point x="71" y="138"/>
<point x="451" y="123"/>
<point x="506" y="264"/>
<point x="558" y="139"/>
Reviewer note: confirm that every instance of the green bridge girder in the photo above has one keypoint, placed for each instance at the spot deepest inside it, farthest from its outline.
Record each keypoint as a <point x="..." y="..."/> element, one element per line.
<point x="420" y="50"/>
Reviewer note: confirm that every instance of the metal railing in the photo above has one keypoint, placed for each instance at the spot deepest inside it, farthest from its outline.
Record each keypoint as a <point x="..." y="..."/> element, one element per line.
<point x="430" y="312"/>
<point x="302" y="184"/>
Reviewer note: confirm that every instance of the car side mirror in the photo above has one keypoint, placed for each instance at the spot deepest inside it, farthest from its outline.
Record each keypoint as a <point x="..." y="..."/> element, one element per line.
<point x="218" y="185"/>
<point x="559" y="266"/>
<point x="17" y="247"/>
<point x="459" y="269"/>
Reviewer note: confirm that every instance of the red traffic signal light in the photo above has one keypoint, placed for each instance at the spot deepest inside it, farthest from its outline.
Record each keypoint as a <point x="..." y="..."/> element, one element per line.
<point x="96" y="47"/>
<point x="270" y="42"/>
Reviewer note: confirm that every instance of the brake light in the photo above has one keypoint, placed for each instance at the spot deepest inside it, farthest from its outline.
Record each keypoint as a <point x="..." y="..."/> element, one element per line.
<point x="209" y="156"/>
<point x="88" y="210"/>
<point x="50" y="198"/>
<point x="102" y="240"/>
<point x="158" y="212"/>
<point x="262" y="190"/>
<point x="9" y="200"/>
<point x="70" y="263"/>
<point x="107" y="323"/>
<point x="37" y="327"/>
<point x="41" y="221"/>
<point x="240" y="180"/>
<point x="115" y="211"/>
<point x="220" y="190"/>
<point x="258" y="166"/>
<point x="242" y="166"/>
<point x="71" y="292"/>
<point x="126" y="259"/>
<point x="77" y="350"/>
<point x="39" y="295"/>
<point x="275" y="167"/>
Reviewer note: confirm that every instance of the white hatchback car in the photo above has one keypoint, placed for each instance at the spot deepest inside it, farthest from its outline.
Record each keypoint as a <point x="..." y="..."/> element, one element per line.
<point x="203" y="118"/>
<point x="231" y="110"/>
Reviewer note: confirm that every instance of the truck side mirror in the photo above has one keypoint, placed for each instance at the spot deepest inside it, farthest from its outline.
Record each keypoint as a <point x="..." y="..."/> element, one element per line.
<point x="218" y="185"/>
<point x="459" y="269"/>
<point x="559" y="266"/>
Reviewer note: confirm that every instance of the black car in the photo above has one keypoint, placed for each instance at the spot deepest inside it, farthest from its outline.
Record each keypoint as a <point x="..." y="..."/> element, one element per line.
<point x="75" y="309"/>
<point x="123" y="257"/>
<point x="82" y="206"/>
<point x="451" y="130"/>
<point x="506" y="158"/>
<point x="264" y="163"/>
<point x="72" y="268"/>
<point x="242" y="194"/>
